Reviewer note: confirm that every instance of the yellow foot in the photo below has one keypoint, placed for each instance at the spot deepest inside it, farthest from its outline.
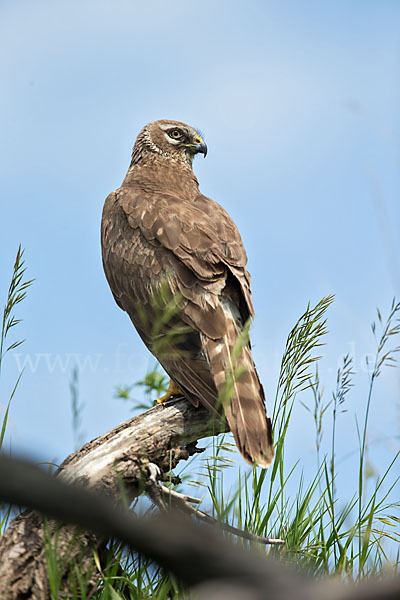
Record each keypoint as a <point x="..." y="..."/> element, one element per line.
<point x="173" y="390"/>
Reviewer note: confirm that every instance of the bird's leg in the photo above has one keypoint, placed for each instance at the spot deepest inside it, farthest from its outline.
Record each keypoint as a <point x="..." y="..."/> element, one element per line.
<point x="173" y="390"/>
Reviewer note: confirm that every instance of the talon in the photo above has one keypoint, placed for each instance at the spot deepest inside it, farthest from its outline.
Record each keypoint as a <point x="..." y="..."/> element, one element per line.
<point x="173" y="390"/>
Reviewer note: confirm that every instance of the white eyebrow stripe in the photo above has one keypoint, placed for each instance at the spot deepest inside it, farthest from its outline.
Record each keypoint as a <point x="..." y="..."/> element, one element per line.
<point x="167" y="126"/>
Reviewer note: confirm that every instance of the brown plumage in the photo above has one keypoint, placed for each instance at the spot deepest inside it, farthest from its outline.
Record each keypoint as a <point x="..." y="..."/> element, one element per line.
<point x="160" y="233"/>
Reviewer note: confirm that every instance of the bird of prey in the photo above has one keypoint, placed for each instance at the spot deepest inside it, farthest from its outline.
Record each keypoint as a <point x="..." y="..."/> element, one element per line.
<point x="160" y="234"/>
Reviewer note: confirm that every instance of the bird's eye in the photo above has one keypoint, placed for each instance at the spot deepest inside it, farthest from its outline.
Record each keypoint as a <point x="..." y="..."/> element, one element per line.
<point x="175" y="134"/>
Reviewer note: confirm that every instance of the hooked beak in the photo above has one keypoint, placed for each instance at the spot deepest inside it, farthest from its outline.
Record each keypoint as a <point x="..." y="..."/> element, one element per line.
<point x="199" y="146"/>
<point x="202" y="147"/>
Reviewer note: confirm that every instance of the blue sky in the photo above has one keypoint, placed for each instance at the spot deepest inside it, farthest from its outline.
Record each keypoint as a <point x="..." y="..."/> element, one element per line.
<point x="299" y="105"/>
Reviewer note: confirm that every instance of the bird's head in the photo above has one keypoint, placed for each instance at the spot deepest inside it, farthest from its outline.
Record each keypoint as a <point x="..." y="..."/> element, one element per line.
<point x="171" y="139"/>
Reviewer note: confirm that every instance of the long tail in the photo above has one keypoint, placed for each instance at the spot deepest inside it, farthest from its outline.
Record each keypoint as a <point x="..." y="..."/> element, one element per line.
<point x="245" y="406"/>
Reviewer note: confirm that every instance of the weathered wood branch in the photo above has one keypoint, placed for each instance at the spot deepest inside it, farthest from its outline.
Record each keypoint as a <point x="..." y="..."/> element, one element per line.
<point x="184" y="503"/>
<point x="163" y="435"/>
<point x="214" y="568"/>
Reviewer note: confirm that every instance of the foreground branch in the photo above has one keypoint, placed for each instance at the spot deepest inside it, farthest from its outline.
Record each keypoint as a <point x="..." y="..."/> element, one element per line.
<point x="163" y="435"/>
<point x="213" y="567"/>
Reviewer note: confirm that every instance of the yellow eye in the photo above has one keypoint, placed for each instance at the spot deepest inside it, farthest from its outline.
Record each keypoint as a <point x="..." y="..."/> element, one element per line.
<point x="175" y="134"/>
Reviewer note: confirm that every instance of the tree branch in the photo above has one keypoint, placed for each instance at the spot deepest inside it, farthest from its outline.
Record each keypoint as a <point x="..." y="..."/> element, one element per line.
<point x="182" y="502"/>
<point x="215" y="568"/>
<point x="117" y="460"/>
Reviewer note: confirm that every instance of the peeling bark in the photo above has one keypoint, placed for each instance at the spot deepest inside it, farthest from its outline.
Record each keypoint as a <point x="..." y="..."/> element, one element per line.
<point x="163" y="435"/>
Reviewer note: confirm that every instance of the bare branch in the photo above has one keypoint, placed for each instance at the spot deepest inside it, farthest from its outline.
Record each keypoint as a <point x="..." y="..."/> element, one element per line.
<point x="213" y="567"/>
<point x="118" y="460"/>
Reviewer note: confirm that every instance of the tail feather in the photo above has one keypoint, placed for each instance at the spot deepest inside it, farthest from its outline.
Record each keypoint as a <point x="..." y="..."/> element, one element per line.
<point x="245" y="405"/>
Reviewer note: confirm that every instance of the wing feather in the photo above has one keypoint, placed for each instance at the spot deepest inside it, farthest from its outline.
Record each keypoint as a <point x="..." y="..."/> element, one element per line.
<point x="149" y="237"/>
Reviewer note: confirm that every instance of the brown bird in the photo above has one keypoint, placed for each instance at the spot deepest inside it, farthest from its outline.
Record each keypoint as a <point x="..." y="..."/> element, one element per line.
<point x="175" y="262"/>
